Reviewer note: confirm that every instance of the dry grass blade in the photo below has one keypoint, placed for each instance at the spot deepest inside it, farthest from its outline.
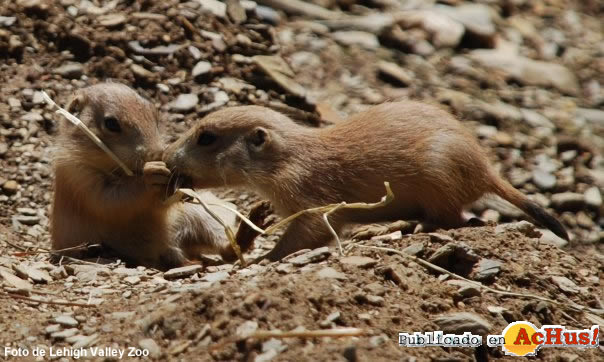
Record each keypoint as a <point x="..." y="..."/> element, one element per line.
<point x="321" y="333"/>
<point x="78" y="123"/>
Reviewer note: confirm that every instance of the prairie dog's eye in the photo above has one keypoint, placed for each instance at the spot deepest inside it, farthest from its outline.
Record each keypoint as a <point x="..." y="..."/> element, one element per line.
<point x="206" y="138"/>
<point x="112" y="124"/>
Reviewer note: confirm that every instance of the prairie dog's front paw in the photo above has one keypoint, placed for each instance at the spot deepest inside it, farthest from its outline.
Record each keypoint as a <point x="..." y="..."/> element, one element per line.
<point x="156" y="175"/>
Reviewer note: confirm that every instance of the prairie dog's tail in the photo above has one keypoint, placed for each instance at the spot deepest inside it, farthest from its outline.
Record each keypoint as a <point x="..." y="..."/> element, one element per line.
<point x="506" y="191"/>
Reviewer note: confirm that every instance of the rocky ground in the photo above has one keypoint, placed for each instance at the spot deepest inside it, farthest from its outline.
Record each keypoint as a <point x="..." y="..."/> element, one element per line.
<point x="525" y="76"/>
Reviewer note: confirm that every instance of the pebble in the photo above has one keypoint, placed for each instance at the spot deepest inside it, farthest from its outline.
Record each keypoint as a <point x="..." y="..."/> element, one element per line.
<point x="7" y="21"/>
<point x="359" y="261"/>
<point x="476" y="18"/>
<point x="10" y="187"/>
<point x="246" y="329"/>
<point x="215" y="7"/>
<point x="61" y="335"/>
<point x="67" y="321"/>
<point x="29" y="272"/>
<point x="268" y="14"/>
<point x="486" y="269"/>
<point x="215" y="277"/>
<point x="544" y="180"/>
<point x="142" y="73"/>
<point x="568" y="201"/>
<point x="70" y="70"/>
<point x="394" y="73"/>
<point x="593" y="197"/>
<point x="458" y="323"/>
<point x="548" y="237"/>
<point x="111" y="20"/>
<point x="236" y="11"/>
<point x="524" y="227"/>
<point x="330" y="273"/>
<point x="444" y="31"/>
<point x="182" y="272"/>
<point x="565" y="284"/>
<point x="201" y="70"/>
<point x="132" y="280"/>
<point x="276" y="68"/>
<point x="14" y="280"/>
<point x="414" y="249"/>
<point x="527" y="71"/>
<point x="354" y="37"/>
<point x="150" y="345"/>
<point x="184" y="103"/>
<point x="453" y="253"/>
<point x="313" y="256"/>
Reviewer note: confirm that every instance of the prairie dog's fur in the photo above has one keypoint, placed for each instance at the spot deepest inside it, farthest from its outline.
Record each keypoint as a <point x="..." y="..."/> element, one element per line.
<point x="95" y="202"/>
<point x="434" y="165"/>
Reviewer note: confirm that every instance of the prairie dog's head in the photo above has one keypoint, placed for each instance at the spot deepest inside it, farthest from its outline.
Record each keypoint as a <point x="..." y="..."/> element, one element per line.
<point x="231" y="147"/>
<point x="127" y="123"/>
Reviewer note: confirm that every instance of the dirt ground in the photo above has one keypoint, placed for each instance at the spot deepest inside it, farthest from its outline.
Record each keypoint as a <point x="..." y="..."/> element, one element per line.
<point x="525" y="76"/>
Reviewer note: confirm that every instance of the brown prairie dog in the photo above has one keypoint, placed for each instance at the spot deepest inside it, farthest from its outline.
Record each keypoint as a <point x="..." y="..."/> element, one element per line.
<point x="95" y="202"/>
<point x="434" y="165"/>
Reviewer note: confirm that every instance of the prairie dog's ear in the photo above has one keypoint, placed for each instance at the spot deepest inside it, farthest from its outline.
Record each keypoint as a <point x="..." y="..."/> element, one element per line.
<point x="258" y="138"/>
<point x="76" y="104"/>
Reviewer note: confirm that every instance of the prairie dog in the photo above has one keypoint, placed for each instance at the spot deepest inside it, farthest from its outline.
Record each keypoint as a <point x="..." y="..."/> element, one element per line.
<point x="434" y="165"/>
<point x="95" y="202"/>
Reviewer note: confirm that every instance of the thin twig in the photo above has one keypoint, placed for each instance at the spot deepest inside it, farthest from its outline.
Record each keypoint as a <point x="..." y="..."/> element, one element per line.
<point x="71" y="304"/>
<point x="76" y="121"/>
<point x="477" y="284"/>
<point x="333" y="333"/>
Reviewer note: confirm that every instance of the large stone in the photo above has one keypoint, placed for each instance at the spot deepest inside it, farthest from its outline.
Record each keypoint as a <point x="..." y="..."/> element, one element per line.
<point x="527" y="71"/>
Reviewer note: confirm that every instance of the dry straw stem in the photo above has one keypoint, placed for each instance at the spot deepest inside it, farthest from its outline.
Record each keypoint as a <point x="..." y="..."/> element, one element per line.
<point x="332" y="333"/>
<point x="574" y="306"/>
<point x="78" y="123"/>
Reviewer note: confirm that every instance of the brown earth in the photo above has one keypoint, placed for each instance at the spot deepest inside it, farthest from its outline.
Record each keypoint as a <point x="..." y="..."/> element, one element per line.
<point x="539" y="125"/>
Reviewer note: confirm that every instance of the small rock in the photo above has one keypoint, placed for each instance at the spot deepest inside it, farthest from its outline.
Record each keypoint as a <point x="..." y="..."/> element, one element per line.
<point x="150" y="345"/>
<point x="376" y="341"/>
<point x="458" y="323"/>
<point x="246" y="329"/>
<point x="37" y="275"/>
<point x="85" y="341"/>
<point x="527" y="71"/>
<point x="215" y="7"/>
<point x="332" y="318"/>
<point x="330" y="273"/>
<point x="14" y="280"/>
<point x="182" y="272"/>
<point x="215" y="277"/>
<point x="132" y="280"/>
<point x="52" y="328"/>
<point x="593" y="197"/>
<point x="32" y="117"/>
<point x="568" y="201"/>
<point x="14" y="103"/>
<point x="360" y="38"/>
<point x="201" y="70"/>
<point x="284" y="268"/>
<point x="544" y="180"/>
<point x="7" y="21"/>
<point x="236" y="11"/>
<point x="359" y="261"/>
<point x="549" y="237"/>
<point x="10" y="187"/>
<point x="276" y="68"/>
<point x="487" y="269"/>
<point x="535" y="119"/>
<point x="476" y="18"/>
<point x="184" y="103"/>
<point x="443" y="30"/>
<point x="565" y="284"/>
<point x="268" y="14"/>
<point x="414" y="249"/>
<point x="66" y="321"/>
<point x="111" y="20"/>
<point x="453" y="253"/>
<point x="523" y="227"/>
<point x="395" y="74"/>
<point x="27" y="220"/>
<point x="70" y="70"/>
<point x="144" y="74"/>
<point x="313" y="256"/>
